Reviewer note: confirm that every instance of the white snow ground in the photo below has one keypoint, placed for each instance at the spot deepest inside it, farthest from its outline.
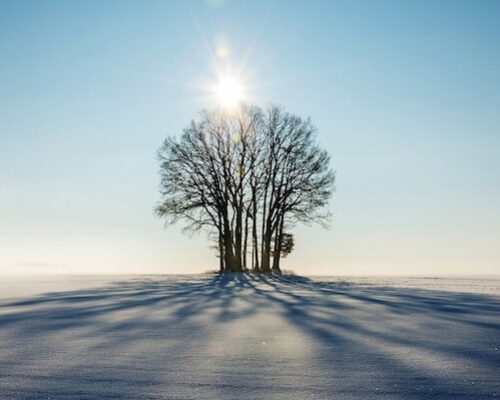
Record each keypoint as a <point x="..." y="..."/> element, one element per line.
<point x="250" y="337"/>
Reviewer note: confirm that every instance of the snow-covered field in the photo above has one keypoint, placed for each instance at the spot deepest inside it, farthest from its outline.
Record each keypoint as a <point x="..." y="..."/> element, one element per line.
<point x="249" y="337"/>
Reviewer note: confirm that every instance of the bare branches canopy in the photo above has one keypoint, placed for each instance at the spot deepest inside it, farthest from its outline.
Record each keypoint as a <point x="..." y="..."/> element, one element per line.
<point x="247" y="176"/>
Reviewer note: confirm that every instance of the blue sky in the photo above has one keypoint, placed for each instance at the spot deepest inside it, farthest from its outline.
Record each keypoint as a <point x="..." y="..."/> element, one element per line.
<point x="405" y="96"/>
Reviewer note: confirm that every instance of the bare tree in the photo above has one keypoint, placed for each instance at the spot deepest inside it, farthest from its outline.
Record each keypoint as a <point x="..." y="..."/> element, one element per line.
<point x="238" y="173"/>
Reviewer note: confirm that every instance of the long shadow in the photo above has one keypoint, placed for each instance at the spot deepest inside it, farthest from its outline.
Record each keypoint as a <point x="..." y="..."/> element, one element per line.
<point x="363" y="330"/>
<point x="434" y="323"/>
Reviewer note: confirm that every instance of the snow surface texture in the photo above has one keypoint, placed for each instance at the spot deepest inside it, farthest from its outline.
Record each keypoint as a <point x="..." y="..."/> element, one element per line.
<point x="250" y="337"/>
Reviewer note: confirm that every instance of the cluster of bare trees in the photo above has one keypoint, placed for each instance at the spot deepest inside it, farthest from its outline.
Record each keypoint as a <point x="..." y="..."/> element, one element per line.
<point x="247" y="176"/>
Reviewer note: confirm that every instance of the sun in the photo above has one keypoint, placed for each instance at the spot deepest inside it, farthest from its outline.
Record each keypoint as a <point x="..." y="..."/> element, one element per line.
<point x="229" y="91"/>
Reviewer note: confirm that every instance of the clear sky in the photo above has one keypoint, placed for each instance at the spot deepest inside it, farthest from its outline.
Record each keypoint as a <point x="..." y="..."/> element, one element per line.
<point x="405" y="96"/>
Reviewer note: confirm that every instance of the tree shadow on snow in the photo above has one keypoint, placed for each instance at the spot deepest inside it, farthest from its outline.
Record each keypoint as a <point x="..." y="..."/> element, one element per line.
<point x="416" y="342"/>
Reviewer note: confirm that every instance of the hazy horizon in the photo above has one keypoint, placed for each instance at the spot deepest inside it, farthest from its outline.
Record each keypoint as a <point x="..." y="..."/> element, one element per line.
<point x="214" y="271"/>
<point x="405" y="97"/>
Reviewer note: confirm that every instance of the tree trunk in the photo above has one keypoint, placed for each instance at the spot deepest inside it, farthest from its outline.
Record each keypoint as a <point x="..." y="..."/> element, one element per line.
<point x="230" y="261"/>
<point x="221" y="252"/>
<point x="267" y="238"/>
<point x="263" y="234"/>
<point x="277" y="245"/>
<point x="245" y="242"/>
<point x="266" y="253"/>
<point x="238" y="237"/>
<point x="255" y="247"/>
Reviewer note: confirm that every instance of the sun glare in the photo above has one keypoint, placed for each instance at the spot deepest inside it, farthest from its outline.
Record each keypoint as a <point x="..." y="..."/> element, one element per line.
<point x="229" y="91"/>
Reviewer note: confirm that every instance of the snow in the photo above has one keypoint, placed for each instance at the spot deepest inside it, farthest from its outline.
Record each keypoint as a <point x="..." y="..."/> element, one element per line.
<point x="250" y="337"/>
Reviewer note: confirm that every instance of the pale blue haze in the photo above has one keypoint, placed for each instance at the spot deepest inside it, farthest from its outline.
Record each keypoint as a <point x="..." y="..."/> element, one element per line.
<point x="405" y="95"/>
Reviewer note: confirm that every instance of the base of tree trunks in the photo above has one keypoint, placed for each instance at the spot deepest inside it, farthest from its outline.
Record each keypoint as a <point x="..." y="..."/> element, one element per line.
<point x="250" y="272"/>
